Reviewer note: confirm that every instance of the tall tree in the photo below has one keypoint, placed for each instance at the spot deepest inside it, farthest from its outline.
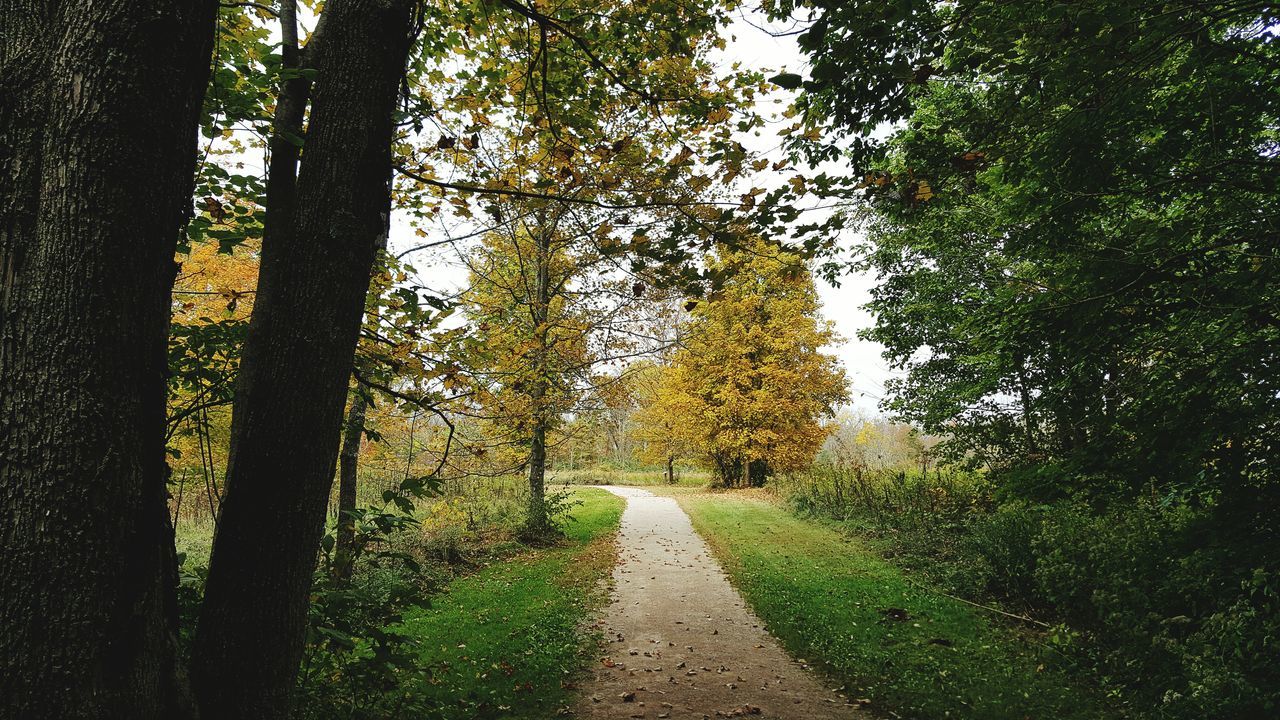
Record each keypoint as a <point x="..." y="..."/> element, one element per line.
<point x="318" y="250"/>
<point x="1073" y="228"/>
<point x="750" y="375"/>
<point x="97" y="155"/>
<point x="597" y="190"/>
<point x="531" y="346"/>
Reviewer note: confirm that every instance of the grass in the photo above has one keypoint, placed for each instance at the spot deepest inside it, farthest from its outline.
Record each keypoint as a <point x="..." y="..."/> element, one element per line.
<point x="910" y="651"/>
<point x="652" y="477"/>
<point x="509" y="641"/>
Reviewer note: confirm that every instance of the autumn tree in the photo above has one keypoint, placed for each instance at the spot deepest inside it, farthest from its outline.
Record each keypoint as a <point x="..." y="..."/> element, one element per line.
<point x="590" y="196"/>
<point x="401" y="360"/>
<point x="540" y="322"/>
<point x="660" y="422"/>
<point x="750" y="376"/>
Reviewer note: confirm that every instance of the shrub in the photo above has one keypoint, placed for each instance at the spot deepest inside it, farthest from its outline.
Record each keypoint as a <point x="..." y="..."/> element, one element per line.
<point x="1170" y="616"/>
<point x="1000" y="545"/>
<point x="356" y="664"/>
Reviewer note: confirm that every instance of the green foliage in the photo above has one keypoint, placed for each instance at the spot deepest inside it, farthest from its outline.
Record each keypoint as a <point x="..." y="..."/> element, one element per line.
<point x="1166" y="613"/>
<point x="1071" y="216"/>
<point x="1066" y="221"/>
<point x="356" y="663"/>
<point x="1000" y="545"/>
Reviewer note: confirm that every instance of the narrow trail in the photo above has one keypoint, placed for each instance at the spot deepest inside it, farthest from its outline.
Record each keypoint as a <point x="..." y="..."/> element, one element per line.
<point x="681" y="642"/>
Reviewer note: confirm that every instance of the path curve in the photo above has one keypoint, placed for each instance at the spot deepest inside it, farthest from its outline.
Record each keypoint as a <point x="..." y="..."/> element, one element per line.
<point x="681" y="642"/>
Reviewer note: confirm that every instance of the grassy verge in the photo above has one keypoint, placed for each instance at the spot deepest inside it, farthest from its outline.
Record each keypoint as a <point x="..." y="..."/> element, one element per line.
<point x="912" y="652"/>
<point x="508" y="641"/>
<point x="605" y="475"/>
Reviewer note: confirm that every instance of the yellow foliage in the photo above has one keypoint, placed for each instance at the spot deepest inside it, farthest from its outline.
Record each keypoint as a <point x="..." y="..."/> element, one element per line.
<point x="215" y="285"/>
<point x="750" y="384"/>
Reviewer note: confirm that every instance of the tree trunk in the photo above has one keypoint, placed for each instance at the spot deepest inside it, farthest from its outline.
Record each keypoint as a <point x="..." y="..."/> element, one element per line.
<point x="538" y="524"/>
<point x="1024" y="393"/>
<point x="671" y="470"/>
<point x="345" y="546"/>
<point x="295" y="368"/>
<point x="98" y="145"/>
<point x="344" y="551"/>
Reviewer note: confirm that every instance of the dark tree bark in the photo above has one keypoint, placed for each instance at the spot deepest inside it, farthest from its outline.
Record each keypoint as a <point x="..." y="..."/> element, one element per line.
<point x="344" y="549"/>
<point x="98" y="117"/>
<point x="538" y="523"/>
<point x="286" y="132"/>
<point x="295" y="367"/>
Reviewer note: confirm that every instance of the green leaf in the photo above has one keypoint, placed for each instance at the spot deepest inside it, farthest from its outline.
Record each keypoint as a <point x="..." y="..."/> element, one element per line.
<point x="789" y="81"/>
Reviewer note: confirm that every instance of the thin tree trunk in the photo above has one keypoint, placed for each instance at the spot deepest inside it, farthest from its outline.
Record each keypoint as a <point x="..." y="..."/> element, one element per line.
<point x="344" y="551"/>
<point x="286" y="133"/>
<point x="538" y="524"/>
<point x="98" y="125"/>
<point x="349" y="460"/>
<point x="348" y="468"/>
<point x="1024" y="393"/>
<point x="295" y="368"/>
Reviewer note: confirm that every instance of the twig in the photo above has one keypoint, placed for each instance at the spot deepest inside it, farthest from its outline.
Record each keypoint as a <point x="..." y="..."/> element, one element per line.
<point x="998" y="611"/>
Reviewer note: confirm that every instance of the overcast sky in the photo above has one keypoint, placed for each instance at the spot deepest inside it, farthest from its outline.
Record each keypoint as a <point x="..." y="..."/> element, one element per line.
<point x="751" y="45"/>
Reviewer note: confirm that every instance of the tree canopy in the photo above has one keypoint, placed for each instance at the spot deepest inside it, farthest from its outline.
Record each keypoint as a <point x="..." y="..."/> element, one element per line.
<point x="750" y="382"/>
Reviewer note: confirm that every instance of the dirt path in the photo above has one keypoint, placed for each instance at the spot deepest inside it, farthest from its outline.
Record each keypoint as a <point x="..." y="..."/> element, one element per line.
<point x="681" y="642"/>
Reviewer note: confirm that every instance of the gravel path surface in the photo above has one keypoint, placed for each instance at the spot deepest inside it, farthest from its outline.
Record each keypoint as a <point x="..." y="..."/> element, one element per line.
<point x="681" y="643"/>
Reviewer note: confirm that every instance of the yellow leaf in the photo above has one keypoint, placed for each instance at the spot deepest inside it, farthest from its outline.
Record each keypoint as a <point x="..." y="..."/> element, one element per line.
<point x="923" y="191"/>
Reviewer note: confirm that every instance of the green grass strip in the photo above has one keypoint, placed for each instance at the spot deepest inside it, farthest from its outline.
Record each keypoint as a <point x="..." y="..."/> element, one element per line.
<point x="508" y="641"/>
<point x="913" y="653"/>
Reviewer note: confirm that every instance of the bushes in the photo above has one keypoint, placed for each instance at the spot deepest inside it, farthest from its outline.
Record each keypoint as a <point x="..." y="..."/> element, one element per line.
<point x="1187" y="626"/>
<point x="1000" y="545"/>
<point x="1178" y="621"/>
<point x="893" y="498"/>
<point x="357" y="662"/>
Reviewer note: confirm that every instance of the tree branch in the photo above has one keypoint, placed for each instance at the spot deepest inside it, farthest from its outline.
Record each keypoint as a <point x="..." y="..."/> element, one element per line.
<point x="544" y="196"/>
<point x="257" y="6"/>
<point x="546" y="21"/>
